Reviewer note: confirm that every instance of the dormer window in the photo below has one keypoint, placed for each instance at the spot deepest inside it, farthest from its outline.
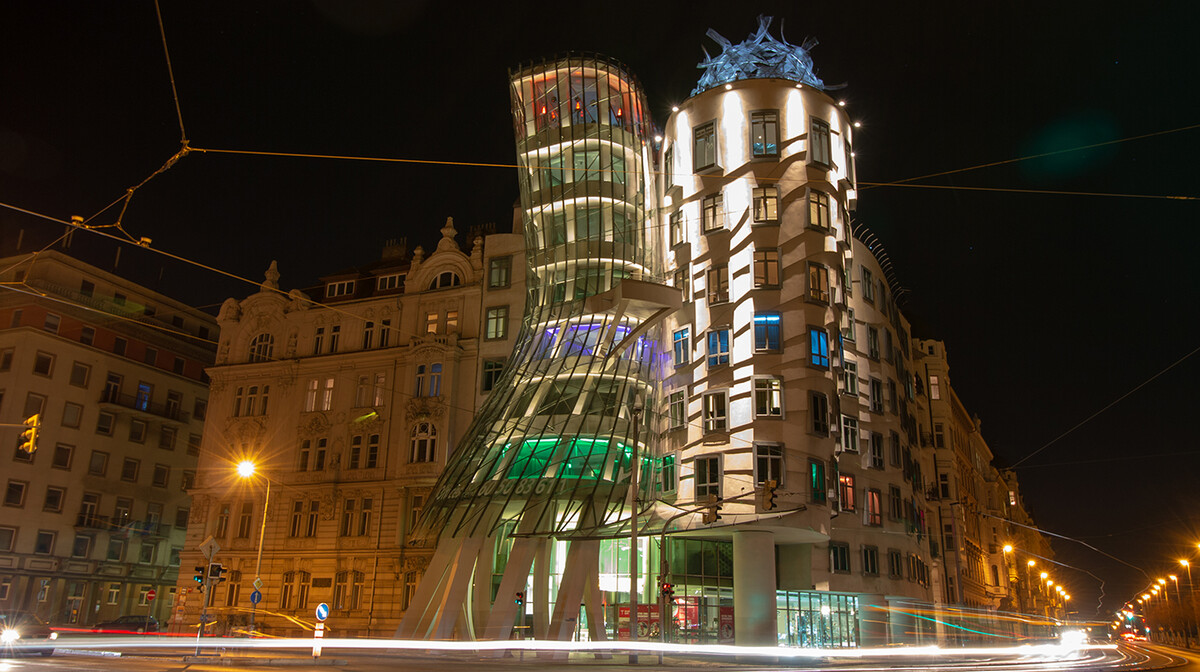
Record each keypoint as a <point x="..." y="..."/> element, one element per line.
<point x="343" y="288"/>
<point x="446" y="279"/>
<point x="386" y="282"/>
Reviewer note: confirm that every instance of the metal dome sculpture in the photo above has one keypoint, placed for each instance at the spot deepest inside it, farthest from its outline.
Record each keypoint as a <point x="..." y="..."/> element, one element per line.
<point x="760" y="56"/>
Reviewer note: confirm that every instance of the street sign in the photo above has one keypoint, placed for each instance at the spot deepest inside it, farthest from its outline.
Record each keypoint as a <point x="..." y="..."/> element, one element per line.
<point x="322" y="611"/>
<point x="151" y="594"/>
<point x="255" y="597"/>
<point x="209" y="547"/>
<point x="258" y="584"/>
<point x="318" y="634"/>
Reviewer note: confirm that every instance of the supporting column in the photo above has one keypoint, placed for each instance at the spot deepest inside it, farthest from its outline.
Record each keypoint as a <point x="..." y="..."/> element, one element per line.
<point x="754" y="608"/>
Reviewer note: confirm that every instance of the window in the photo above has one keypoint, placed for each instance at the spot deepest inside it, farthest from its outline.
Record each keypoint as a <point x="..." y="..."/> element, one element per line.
<point x="868" y="286"/>
<point x="876" y="450"/>
<point x="718" y="347"/>
<point x="849" y="434"/>
<point x="870" y="560"/>
<point x="876" y="395"/>
<point x="262" y="348"/>
<point x="839" y="558"/>
<point x="62" y="456"/>
<point x="244" y="520"/>
<point x="43" y="364"/>
<point x="716" y="410"/>
<point x="669" y="167"/>
<point x="53" y="502"/>
<point x="499" y="272"/>
<point x="314" y="511"/>
<point x="492" y="368"/>
<point x="327" y="395"/>
<point x="846" y="492"/>
<point x="768" y="397"/>
<point x="768" y="463"/>
<point x="682" y="347"/>
<point x="676" y="410"/>
<point x="8" y="535"/>
<point x="895" y="503"/>
<point x="935" y="390"/>
<point x="98" y="464"/>
<point x="766" y="268"/>
<point x="6" y="358"/>
<point x="895" y="564"/>
<point x="188" y="481"/>
<point x="718" y="284"/>
<point x="129" y="469"/>
<point x="424" y="442"/>
<point x="445" y="279"/>
<point x="708" y="476"/>
<point x="704" y="147"/>
<point x="166" y="438"/>
<point x="818" y="209"/>
<point x="766" y="205"/>
<point x="818" y="344"/>
<point x="497" y="323"/>
<point x="335" y="333"/>
<point x="874" y="513"/>
<point x="712" y="213"/>
<point x="850" y="377"/>
<point x="431" y="322"/>
<point x="343" y="288"/>
<point x="162" y="474"/>
<point x="51" y="323"/>
<point x="87" y="335"/>
<point x="819" y="408"/>
<point x="296" y="521"/>
<point x="818" y="143"/>
<point x="391" y="281"/>
<point x="818" y="282"/>
<point x="683" y="283"/>
<point x="14" y="495"/>
<point x="137" y="431"/>
<point x="318" y="340"/>
<point x="895" y="450"/>
<point x="119" y="345"/>
<point x="675" y="226"/>
<point x="872" y="342"/>
<point x="150" y="356"/>
<point x="193" y="444"/>
<point x="764" y="133"/>
<point x="767" y="336"/>
<point x="816" y="481"/>
<point x="44" y="545"/>
<point x="72" y="414"/>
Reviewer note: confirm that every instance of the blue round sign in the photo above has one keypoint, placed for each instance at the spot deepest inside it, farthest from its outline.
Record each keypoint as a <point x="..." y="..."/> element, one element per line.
<point x="322" y="611"/>
<point x="255" y="597"/>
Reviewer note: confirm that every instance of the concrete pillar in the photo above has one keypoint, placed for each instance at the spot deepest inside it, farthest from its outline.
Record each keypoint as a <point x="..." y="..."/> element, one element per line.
<point x="754" y="588"/>
<point x="872" y="620"/>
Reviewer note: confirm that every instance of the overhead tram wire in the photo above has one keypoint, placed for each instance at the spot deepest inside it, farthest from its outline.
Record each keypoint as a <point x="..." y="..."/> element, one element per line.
<point x="171" y="74"/>
<point x="1033" y="191"/>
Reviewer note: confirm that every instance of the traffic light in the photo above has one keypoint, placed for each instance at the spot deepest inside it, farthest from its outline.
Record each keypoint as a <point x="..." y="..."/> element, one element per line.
<point x="28" y="440"/>
<point x="712" y="508"/>
<point x="215" y="570"/>
<point x="767" y="496"/>
<point x="519" y="599"/>
<point x="668" y="591"/>
<point x="200" y="574"/>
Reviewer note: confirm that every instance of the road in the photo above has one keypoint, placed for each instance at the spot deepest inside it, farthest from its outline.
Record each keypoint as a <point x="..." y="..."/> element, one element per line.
<point x="163" y="659"/>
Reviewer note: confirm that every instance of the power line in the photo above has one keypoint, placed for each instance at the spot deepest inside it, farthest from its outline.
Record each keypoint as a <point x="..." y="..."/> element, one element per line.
<point x="1032" y="191"/>
<point x="171" y="73"/>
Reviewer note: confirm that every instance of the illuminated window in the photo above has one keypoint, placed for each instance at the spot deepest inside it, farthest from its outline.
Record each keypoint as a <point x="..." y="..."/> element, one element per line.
<point x="586" y="164"/>
<point x="768" y="397"/>
<point x="764" y="133"/>
<point x="496" y="324"/>
<point x="766" y="205"/>
<point x="818" y="344"/>
<point x="767" y="336"/>
<point x="682" y="347"/>
<point x="718" y="284"/>
<point x="818" y="143"/>
<point x="707" y="476"/>
<point x="819" y="409"/>
<point x="766" y="268"/>
<point x="718" y="347"/>
<point x="935" y="389"/>
<point x="816" y="481"/>
<point x="712" y="213"/>
<point x="818" y="209"/>
<point x="499" y="272"/>
<point x="704" y="147"/>
<point x="818" y="282"/>
<point x="846" y="492"/>
<point x="716" y="411"/>
<point x="588" y="224"/>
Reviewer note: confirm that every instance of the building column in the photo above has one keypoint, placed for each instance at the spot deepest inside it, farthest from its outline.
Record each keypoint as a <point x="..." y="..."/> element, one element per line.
<point x="754" y="608"/>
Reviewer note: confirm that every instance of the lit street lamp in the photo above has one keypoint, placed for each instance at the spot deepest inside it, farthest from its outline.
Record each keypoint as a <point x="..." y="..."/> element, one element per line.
<point x="247" y="469"/>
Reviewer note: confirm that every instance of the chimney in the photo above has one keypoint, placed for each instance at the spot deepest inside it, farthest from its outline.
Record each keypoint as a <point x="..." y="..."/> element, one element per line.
<point x="395" y="248"/>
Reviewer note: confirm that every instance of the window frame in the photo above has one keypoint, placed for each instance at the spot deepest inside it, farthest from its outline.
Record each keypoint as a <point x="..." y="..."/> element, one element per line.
<point x="705" y="155"/>
<point x="712" y="470"/>
<point x="715" y="415"/>
<point x="768" y="122"/>
<point x="768" y="389"/>
<point x="819" y="143"/>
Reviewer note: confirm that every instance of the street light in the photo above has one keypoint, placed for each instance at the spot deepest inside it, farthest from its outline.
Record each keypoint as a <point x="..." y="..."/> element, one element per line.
<point x="247" y="469"/>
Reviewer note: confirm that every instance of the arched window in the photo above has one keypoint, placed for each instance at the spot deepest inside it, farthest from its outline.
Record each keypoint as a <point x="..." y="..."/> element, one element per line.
<point x="262" y="348"/>
<point x="446" y="279"/>
<point x="424" y="442"/>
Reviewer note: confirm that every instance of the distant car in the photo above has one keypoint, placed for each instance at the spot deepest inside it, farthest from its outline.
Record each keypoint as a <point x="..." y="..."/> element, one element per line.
<point x="23" y="632"/>
<point x="127" y="625"/>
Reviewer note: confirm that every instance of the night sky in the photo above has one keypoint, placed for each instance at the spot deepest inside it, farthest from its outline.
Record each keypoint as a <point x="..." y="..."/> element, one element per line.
<point x="1052" y="306"/>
